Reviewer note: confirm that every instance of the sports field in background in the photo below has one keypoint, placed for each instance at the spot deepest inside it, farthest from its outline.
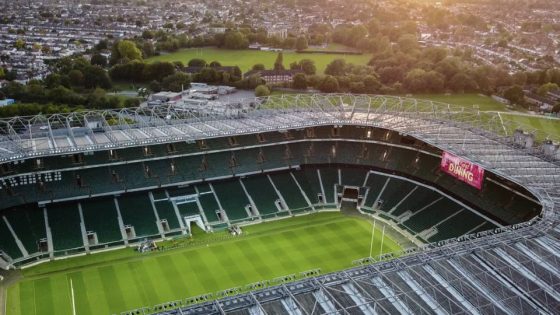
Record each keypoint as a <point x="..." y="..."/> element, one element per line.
<point x="246" y="59"/>
<point x="122" y="280"/>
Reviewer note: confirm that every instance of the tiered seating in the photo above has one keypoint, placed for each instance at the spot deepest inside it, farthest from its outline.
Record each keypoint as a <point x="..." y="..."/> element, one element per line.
<point x="375" y="183"/>
<point x="262" y="193"/>
<point x="274" y="157"/>
<point x="188" y="209"/>
<point x="134" y="175"/>
<point x="394" y="192"/>
<point x="346" y="153"/>
<point x="209" y="206"/>
<point x="188" y="168"/>
<point x="310" y="189"/>
<point x="353" y="176"/>
<point x="100" y="216"/>
<point x="8" y="242"/>
<point x="289" y="190"/>
<point x="432" y="215"/>
<point x="329" y="177"/>
<point x="64" y="221"/>
<point x="232" y="198"/>
<point x="218" y="165"/>
<point x="159" y="194"/>
<point x="99" y="180"/>
<point x="297" y="153"/>
<point x="28" y="223"/>
<point x="166" y="211"/>
<point x="181" y="191"/>
<point x="420" y="198"/>
<point x="318" y="152"/>
<point x="246" y="161"/>
<point x="136" y="210"/>
<point x="460" y="224"/>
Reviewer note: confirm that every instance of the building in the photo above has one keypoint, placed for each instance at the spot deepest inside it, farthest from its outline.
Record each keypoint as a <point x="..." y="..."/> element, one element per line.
<point x="7" y="102"/>
<point x="274" y="76"/>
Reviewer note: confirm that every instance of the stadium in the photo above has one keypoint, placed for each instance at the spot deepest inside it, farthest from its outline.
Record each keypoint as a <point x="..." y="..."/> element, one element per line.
<point x="355" y="179"/>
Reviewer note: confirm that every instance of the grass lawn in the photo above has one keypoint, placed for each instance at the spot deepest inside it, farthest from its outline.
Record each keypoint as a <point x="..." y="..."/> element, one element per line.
<point x="122" y="280"/>
<point x="548" y="126"/>
<point x="467" y="100"/>
<point x="245" y="59"/>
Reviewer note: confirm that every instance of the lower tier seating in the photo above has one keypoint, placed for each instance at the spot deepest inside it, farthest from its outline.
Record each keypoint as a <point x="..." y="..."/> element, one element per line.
<point x="100" y="216"/>
<point x="137" y="211"/>
<point x="64" y="221"/>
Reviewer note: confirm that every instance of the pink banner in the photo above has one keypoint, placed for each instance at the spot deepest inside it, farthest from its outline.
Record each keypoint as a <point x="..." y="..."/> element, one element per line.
<point x="462" y="169"/>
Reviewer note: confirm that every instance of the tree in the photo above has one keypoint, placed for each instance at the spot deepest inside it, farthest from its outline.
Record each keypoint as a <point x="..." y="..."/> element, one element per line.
<point x="19" y="44"/>
<point x="301" y="43"/>
<point x="337" y="67"/>
<point x="515" y="95"/>
<point x="461" y="82"/>
<point x="279" y="63"/>
<point x="235" y="40"/>
<point x="155" y="86"/>
<point x="215" y="64"/>
<point x="306" y="65"/>
<point x="197" y="62"/>
<point x="408" y="42"/>
<point x="329" y="84"/>
<point x="148" y="49"/>
<point x="95" y="76"/>
<point x="76" y="77"/>
<point x="98" y="60"/>
<point x="262" y="90"/>
<point x="371" y="84"/>
<point x="258" y="67"/>
<point x="127" y="49"/>
<point x="547" y="87"/>
<point x="176" y="82"/>
<point x="300" y="81"/>
<point x="158" y="70"/>
<point x="556" y="108"/>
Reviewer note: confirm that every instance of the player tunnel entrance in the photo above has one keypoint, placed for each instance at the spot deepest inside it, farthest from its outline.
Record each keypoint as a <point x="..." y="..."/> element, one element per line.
<point x="349" y="197"/>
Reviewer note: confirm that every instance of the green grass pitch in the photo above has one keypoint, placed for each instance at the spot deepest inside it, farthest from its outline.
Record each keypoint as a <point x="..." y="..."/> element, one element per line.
<point x="245" y="59"/>
<point x="121" y="280"/>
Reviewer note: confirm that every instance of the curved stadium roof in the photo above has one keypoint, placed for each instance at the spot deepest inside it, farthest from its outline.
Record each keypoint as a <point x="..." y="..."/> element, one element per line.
<point x="512" y="270"/>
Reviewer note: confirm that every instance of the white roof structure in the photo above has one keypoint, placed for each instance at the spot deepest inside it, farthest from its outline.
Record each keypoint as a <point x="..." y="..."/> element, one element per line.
<point x="511" y="270"/>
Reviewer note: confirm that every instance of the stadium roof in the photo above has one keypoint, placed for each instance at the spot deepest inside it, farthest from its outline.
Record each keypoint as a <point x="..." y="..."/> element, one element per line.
<point x="511" y="270"/>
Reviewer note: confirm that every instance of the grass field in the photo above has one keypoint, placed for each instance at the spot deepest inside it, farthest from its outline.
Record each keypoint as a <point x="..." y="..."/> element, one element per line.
<point x="245" y="59"/>
<point x="548" y="126"/>
<point x="121" y="280"/>
<point x="468" y="100"/>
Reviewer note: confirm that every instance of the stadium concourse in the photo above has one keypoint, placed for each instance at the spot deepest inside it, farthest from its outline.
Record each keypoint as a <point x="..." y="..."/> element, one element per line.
<point x="88" y="181"/>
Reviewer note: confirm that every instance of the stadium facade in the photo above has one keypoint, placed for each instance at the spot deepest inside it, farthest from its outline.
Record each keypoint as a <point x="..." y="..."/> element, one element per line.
<point x="92" y="180"/>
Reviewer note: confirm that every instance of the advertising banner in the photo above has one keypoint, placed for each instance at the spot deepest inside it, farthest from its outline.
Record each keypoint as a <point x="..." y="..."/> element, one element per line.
<point x="462" y="169"/>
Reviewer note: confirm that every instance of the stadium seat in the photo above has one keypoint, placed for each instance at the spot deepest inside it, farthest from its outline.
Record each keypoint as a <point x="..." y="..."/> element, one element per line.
<point x="209" y="206"/>
<point x="311" y="191"/>
<point x="460" y="224"/>
<point x="352" y="176"/>
<point x="7" y="241"/>
<point x="100" y="216"/>
<point x="136" y="210"/>
<point x="289" y="191"/>
<point x="263" y="194"/>
<point x="329" y="178"/>
<point x="188" y="209"/>
<point x="166" y="211"/>
<point x="232" y="198"/>
<point x="64" y="221"/>
<point x="28" y="223"/>
<point x="432" y="215"/>
<point x="395" y="191"/>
